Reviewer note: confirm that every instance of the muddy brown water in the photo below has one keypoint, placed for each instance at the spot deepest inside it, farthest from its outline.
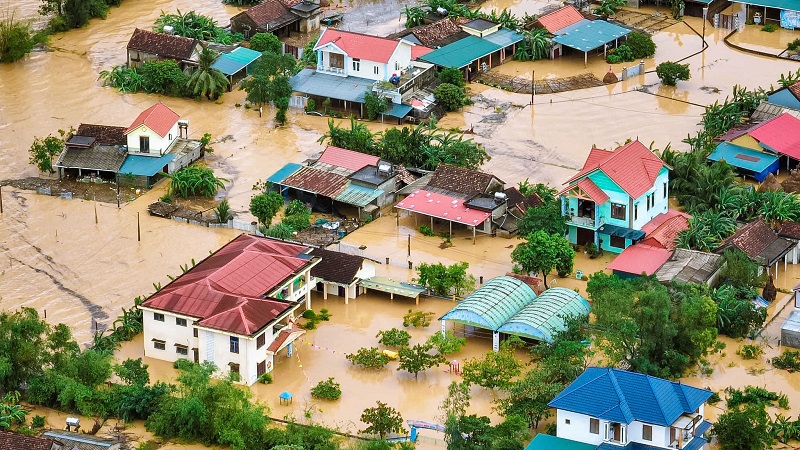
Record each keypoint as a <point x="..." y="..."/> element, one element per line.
<point x="56" y="258"/>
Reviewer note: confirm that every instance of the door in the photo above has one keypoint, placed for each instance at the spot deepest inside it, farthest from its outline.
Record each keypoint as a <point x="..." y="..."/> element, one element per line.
<point x="341" y="291"/>
<point x="196" y="355"/>
<point x="556" y="52"/>
<point x="616" y="431"/>
<point x="584" y="236"/>
<point x="144" y="144"/>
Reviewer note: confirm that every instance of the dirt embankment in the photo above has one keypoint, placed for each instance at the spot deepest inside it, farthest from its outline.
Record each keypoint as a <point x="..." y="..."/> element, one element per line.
<point x="101" y="192"/>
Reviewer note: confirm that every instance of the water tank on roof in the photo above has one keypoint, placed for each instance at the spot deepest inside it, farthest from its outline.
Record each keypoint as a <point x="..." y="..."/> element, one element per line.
<point x="499" y="197"/>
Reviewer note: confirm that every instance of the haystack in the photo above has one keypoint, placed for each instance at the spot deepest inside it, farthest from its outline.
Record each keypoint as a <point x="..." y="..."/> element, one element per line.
<point x="792" y="184"/>
<point x="610" y="77"/>
<point x="770" y="184"/>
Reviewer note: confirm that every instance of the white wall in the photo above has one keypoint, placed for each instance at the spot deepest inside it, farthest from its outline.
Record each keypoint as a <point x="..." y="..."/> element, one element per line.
<point x="158" y="144"/>
<point x="578" y="428"/>
<point x="367" y="270"/>
<point x="169" y="332"/>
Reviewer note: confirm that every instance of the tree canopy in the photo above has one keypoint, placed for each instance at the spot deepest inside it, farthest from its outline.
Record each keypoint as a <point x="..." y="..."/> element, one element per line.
<point x="542" y="252"/>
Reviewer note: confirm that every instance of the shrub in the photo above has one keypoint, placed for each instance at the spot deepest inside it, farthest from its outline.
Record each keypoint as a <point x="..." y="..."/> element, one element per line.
<point x="368" y="357"/>
<point x="418" y="318"/>
<point x="794" y="45"/>
<point x="452" y="76"/>
<point x="624" y="53"/>
<point x="641" y="45"/>
<point x="324" y="315"/>
<point x="223" y="211"/>
<point x="426" y="230"/>
<point x="327" y="390"/>
<point x="789" y="360"/>
<point x="309" y="314"/>
<point x="394" y="338"/>
<point x="669" y="72"/>
<point x="311" y="105"/>
<point x="195" y="180"/>
<point x="769" y="28"/>
<point x="37" y="422"/>
<point x="264" y="206"/>
<point x="750" y="351"/>
<point x="450" y="96"/>
<point x="375" y="105"/>
<point x="326" y="106"/>
<point x="279" y="231"/>
<point x="753" y="395"/>
<point x="613" y="58"/>
<point x="266" y="42"/>
<point x="265" y="378"/>
<point x="163" y="77"/>
<point x="714" y="399"/>
<point x="16" y="39"/>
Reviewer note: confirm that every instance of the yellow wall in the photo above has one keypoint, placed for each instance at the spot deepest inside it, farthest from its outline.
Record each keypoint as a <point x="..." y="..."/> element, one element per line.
<point x="747" y="141"/>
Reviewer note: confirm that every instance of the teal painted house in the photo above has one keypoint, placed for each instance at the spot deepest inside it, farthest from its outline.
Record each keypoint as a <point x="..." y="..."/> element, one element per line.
<point x="614" y="196"/>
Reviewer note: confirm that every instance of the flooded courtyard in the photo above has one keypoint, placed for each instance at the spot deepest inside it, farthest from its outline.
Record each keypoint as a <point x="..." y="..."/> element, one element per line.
<point x="60" y="260"/>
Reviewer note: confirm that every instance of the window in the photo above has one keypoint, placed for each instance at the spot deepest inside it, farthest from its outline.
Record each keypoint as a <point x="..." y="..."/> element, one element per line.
<point x="234" y="344"/>
<point x="180" y="322"/>
<point x="397" y="65"/>
<point x="158" y="317"/>
<point x="181" y="350"/>
<point x="234" y="369"/>
<point x="376" y="70"/>
<point x="194" y="332"/>
<point x="651" y="200"/>
<point x="635" y="212"/>
<point x="617" y="211"/>
<point x="665" y="189"/>
<point x="261" y="340"/>
<point x="566" y="421"/>
<point x="356" y="64"/>
<point x="336" y="60"/>
<point x="618" y="242"/>
<point x="261" y="368"/>
<point x="170" y="136"/>
<point x="144" y="144"/>
<point x="594" y="426"/>
<point x="647" y="432"/>
<point x="159" y="345"/>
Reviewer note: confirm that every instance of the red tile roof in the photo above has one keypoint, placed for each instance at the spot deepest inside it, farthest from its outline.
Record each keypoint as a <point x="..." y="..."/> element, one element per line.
<point x="780" y="134"/>
<point x="560" y="18"/>
<point x="593" y="191"/>
<point x="419" y="50"/>
<point x="357" y="45"/>
<point x="633" y="167"/>
<point x="348" y="159"/>
<point x="270" y="12"/>
<point x="162" y="44"/>
<point x="443" y="207"/>
<point x="225" y="291"/>
<point x="640" y="258"/>
<point x="320" y="182"/>
<point x="663" y="230"/>
<point x="158" y="118"/>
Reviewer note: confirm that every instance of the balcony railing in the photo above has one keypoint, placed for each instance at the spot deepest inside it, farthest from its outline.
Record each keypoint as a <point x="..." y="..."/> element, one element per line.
<point x="329" y="69"/>
<point x="589" y="222"/>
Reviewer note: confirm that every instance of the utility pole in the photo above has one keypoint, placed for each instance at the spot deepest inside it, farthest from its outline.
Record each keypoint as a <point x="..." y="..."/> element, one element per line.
<point x="138" y="228"/>
<point x="533" y="86"/>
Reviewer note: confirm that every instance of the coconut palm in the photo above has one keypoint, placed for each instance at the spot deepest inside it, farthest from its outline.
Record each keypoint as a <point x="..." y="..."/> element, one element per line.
<point x="207" y="80"/>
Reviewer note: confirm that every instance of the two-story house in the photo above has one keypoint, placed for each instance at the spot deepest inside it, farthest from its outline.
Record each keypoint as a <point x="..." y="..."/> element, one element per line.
<point x="235" y="308"/>
<point x="351" y="64"/>
<point x="610" y="409"/>
<point x="614" y="195"/>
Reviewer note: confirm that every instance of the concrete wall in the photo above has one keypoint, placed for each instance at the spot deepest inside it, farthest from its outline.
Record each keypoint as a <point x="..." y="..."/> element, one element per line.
<point x="168" y="332"/>
<point x="158" y="144"/>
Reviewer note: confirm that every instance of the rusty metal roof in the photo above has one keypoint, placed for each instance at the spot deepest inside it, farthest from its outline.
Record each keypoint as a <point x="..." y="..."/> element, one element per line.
<point x="320" y="182"/>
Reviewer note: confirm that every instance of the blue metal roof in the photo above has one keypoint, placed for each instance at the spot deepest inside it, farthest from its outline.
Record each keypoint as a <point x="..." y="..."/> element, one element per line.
<point x="627" y="233"/>
<point x="504" y="37"/>
<point x="791" y="5"/>
<point x="622" y="396"/>
<point x="358" y="195"/>
<point x="351" y="89"/>
<point x="492" y="304"/>
<point x="589" y="34"/>
<point x="543" y="318"/>
<point x="398" y="110"/>
<point x="238" y="59"/>
<point x="743" y="157"/>
<point x="283" y="173"/>
<point x="145" y="166"/>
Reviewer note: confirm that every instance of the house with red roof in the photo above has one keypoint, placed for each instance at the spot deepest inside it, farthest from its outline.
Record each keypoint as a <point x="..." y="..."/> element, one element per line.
<point x="153" y="130"/>
<point x="614" y="195"/>
<point x="349" y="65"/>
<point x="776" y="141"/>
<point x="236" y="308"/>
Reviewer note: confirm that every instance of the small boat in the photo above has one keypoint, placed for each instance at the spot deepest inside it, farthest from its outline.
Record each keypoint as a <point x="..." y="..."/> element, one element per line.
<point x="333" y="18"/>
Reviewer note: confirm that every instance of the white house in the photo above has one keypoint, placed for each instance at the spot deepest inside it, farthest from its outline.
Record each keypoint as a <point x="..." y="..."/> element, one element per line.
<point x="340" y="274"/>
<point x="235" y="308"/>
<point x="153" y="131"/>
<point x="607" y="409"/>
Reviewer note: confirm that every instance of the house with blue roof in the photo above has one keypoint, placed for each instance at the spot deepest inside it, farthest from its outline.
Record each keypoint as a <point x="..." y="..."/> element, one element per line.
<point x="614" y="196"/>
<point x="609" y="409"/>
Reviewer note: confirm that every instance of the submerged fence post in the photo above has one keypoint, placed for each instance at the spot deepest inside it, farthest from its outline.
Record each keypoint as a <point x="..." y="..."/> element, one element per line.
<point x="138" y="228"/>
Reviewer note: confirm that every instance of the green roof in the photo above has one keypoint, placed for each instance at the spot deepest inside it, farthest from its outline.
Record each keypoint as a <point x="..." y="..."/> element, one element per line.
<point x="544" y="441"/>
<point x="461" y="53"/>
<point x="145" y="166"/>
<point x="504" y="37"/>
<point x="233" y="62"/>
<point x="393" y="287"/>
<point x="791" y="5"/>
<point x="543" y="318"/>
<point x="492" y="304"/>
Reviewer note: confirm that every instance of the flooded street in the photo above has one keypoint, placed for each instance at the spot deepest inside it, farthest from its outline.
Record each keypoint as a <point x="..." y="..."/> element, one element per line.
<point x="57" y="259"/>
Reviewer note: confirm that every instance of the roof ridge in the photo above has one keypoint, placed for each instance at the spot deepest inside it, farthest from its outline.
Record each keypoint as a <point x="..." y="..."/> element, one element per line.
<point x="661" y="406"/>
<point x="623" y="402"/>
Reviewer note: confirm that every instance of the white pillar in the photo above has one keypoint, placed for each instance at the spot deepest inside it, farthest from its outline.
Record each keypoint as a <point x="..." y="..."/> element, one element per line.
<point x="496" y="341"/>
<point x="444" y="328"/>
<point x="347" y="295"/>
<point x="308" y="289"/>
<point x="324" y="291"/>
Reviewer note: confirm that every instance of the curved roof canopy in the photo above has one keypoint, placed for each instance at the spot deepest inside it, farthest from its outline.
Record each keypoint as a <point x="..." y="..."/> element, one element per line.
<point x="492" y="304"/>
<point x="543" y="318"/>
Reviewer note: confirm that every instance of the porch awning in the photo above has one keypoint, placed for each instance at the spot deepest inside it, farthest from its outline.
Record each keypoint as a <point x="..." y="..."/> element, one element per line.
<point x="285" y="337"/>
<point x="393" y="287"/>
<point x="627" y="233"/>
<point x="398" y="110"/>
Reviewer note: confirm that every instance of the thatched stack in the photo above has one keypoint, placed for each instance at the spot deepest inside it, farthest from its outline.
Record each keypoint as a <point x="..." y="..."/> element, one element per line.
<point x="770" y="184"/>
<point x="792" y="184"/>
<point x="610" y="77"/>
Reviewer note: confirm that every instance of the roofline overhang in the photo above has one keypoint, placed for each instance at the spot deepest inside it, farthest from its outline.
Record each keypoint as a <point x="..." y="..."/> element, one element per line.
<point x="291" y="307"/>
<point x="311" y="263"/>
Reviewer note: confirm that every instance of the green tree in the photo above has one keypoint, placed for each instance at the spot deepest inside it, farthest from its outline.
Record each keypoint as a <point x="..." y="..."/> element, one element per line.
<point x="446" y="343"/>
<point x="368" y="357"/>
<point x="270" y="79"/>
<point x="382" y="420"/>
<point x="442" y="280"/>
<point x="739" y="271"/>
<point x="609" y="7"/>
<point x="415" y="16"/>
<point x="43" y="150"/>
<point x="265" y="205"/>
<point x="206" y="80"/>
<point x="452" y="75"/>
<point x="16" y="39"/>
<point x="133" y="372"/>
<point x="545" y="217"/>
<point x="327" y="390"/>
<point x="743" y="428"/>
<point x="543" y="252"/>
<point x="450" y="97"/>
<point x="282" y="105"/>
<point x="528" y="397"/>
<point x="495" y="369"/>
<point x="669" y="72"/>
<point x="163" y="77"/>
<point x="641" y="45"/>
<point x="375" y="105"/>
<point x="394" y="337"/>
<point x="297" y="215"/>
<point x="457" y="400"/>
<point x="418" y="359"/>
<point x="266" y="42"/>
<point x="195" y="180"/>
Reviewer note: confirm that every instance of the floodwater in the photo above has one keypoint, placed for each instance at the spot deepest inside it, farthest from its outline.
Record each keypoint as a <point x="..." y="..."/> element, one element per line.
<point x="58" y="258"/>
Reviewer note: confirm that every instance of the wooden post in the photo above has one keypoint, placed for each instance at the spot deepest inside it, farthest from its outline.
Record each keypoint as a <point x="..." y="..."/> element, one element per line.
<point x="138" y="228"/>
<point x="533" y="86"/>
<point x="473" y="235"/>
<point x="409" y="246"/>
<point x="117" y="191"/>
<point x="1" y="199"/>
<point x="95" y="211"/>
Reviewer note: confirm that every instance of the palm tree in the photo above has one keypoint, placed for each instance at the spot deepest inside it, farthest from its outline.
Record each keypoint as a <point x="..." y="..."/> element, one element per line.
<point x="207" y="80"/>
<point x="778" y="206"/>
<point x="538" y="43"/>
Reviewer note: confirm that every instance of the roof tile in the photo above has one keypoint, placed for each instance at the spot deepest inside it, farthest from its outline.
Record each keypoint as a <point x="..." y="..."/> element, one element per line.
<point x="161" y="44"/>
<point x="14" y="441"/>
<point x="662" y="231"/>
<point x="269" y="14"/>
<point x="460" y="180"/>
<point x="336" y="267"/>
<point x="158" y="118"/>
<point x="560" y="18"/>
<point x="357" y="45"/>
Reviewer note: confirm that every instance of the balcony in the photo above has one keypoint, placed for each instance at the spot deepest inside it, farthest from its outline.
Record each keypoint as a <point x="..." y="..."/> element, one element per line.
<point x="330" y="69"/>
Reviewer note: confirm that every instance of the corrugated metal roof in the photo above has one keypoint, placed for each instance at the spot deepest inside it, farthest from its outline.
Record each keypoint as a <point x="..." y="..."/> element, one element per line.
<point x="589" y="34"/>
<point x="781" y="134"/>
<point x="639" y="258"/>
<point x="560" y="19"/>
<point x="235" y="61"/>
<point x="351" y="89"/>
<point x="358" y="195"/>
<point x="347" y="159"/>
<point x="504" y="37"/>
<point x="622" y="396"/>
<point x="145" y="166"/>
<point x="791" y="5"/>
<point x="315" y="181"/>
<point x="492" y="304"/>
<point x="398" y="110"/>
<point x="742" y="157"/>
<point x="442" y="207"/>
<point x="543" y="318"/>
<point x="284" y="172"/>
<point x="543" y="441"/>
<point x="393" y="287"/>
<point x="461" y="53"/>
<point x="689" y="266"/>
